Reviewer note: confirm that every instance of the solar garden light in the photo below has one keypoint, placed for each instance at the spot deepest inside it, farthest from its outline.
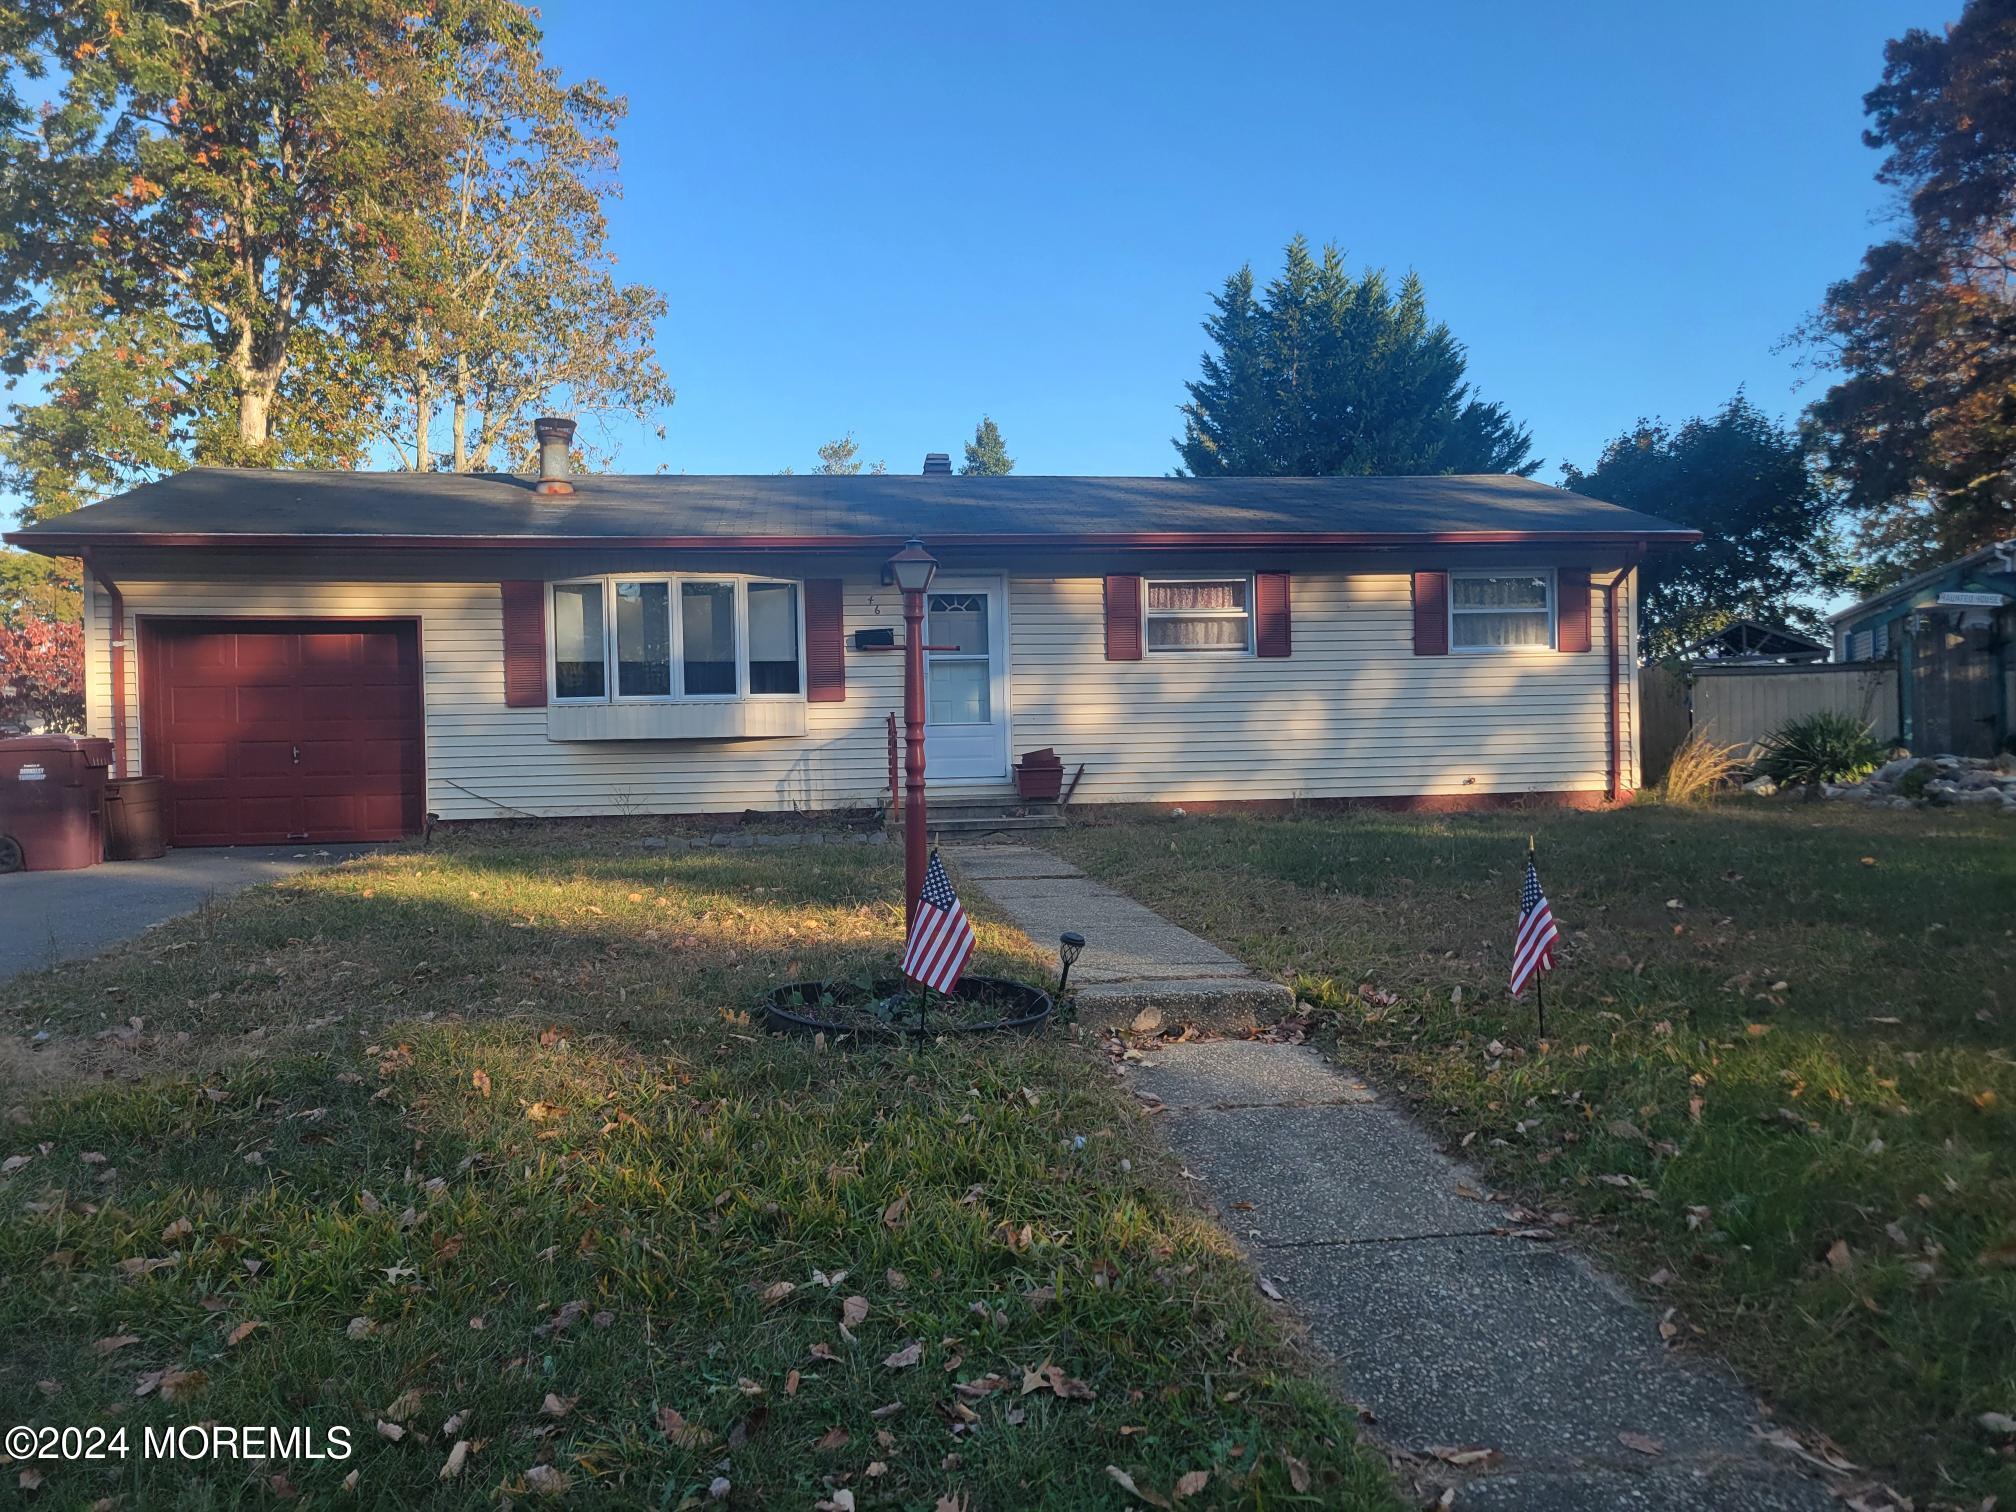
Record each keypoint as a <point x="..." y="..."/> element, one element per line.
<point x="1068" y="945"/>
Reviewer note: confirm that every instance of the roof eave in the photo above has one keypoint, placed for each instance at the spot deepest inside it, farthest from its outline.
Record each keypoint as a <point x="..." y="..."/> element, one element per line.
<point x="68" y="543"/>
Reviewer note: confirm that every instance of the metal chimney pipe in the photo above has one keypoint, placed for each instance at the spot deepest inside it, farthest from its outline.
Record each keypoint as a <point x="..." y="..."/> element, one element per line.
<point x="937" y="462"/>
<point x="555" y="435"/>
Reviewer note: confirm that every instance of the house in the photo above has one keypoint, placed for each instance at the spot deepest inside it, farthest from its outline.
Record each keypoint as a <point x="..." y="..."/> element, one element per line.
<point x="1947" y="630"/>
<point x="334" y="655"/>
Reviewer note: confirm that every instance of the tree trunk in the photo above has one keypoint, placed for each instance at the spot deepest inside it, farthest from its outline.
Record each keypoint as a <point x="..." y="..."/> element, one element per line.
<point x="255" y="408"/>
<point x="461" y="414"/>
<point x="423" y="420"/>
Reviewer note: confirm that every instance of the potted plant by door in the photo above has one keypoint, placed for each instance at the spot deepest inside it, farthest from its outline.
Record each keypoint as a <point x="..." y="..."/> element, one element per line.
<point x="1039" y="776"/>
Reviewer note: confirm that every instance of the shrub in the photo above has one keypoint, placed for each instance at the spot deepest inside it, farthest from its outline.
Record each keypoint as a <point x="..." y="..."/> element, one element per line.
<point x="1827" y="747"/>
<point x="1912" y="783"/>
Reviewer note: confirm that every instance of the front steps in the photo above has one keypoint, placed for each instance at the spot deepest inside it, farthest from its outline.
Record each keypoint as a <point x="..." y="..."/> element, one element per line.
<point x="964" y="819"/>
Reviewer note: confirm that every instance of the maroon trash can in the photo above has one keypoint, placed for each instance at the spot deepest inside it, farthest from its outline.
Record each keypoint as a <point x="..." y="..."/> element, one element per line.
<point x="52" y="802"/>
<point x="133" y="819"/>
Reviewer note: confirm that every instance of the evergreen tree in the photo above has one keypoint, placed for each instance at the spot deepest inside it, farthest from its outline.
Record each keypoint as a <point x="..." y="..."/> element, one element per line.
<point x="1765" y="512"/>
<point x="842" y="458"/>
<point x="986" y="455"/>
<point x="1324" y="374"/>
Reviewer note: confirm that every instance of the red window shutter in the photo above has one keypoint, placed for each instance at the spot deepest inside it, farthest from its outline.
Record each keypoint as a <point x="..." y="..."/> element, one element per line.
<point x="1271" y="635"/>
<point x="1123" y="618"/>
<point x="524" y="645"/>
<point x="825" y="642"/>
<point x="1571" y="615"/>
<point x="1431" y="614"/>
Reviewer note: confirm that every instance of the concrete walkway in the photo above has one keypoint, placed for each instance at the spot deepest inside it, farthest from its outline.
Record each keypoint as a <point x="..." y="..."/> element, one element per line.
<point x="47" y="918"/>
<point x="1134" y="958"/>
<point x="1501" y="1366"/>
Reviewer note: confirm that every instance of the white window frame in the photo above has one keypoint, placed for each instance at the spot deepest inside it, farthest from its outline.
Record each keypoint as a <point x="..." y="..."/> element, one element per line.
<point x="1553" y="611"/>
<point x="674" y="580"/>
<point x="1214" y="653"/>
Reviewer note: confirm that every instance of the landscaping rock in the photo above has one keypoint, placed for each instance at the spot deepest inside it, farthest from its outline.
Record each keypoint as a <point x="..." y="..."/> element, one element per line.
<point x="1890" y="771"/>
<point x="1763" y="787"/>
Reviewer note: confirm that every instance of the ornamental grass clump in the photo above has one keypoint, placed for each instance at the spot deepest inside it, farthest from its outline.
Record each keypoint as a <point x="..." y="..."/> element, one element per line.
<point x="1700" y="768"/>
<point x="1825" y="747"/>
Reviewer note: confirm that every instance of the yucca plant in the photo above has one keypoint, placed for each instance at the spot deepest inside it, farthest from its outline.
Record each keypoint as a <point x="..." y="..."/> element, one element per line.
<point x="1824" y="747"/>
<point x="1699" y="767"/>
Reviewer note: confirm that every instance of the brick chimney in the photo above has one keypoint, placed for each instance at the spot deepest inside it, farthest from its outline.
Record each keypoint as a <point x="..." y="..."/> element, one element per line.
<point x="937" y="462"/>
<point x="555" y="437"/>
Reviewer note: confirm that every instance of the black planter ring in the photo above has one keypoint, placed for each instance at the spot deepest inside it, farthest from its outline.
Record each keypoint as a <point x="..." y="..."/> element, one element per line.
<point x="794" y="1008"/>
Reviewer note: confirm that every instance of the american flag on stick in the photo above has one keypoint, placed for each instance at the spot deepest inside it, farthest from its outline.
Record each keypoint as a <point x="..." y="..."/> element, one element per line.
<point x="941" y="941"/>
<point x="1533" y="945"/>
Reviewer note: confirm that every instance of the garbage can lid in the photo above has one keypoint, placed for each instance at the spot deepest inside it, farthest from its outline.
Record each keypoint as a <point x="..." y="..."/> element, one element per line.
<point x="69" y="743"/>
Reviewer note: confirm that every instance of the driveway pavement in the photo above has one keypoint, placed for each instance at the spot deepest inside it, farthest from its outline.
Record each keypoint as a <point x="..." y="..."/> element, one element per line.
<point x="50" y="917"/>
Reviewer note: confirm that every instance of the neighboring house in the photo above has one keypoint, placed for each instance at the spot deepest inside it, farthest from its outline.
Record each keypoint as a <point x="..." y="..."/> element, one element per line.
<point x="1948" y="631"/>
<point x="321" y="655"/>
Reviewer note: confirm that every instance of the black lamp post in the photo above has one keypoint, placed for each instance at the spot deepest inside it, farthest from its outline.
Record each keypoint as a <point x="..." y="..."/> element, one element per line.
<point x="1068" y="945"/>
<point x="913" y="568"/>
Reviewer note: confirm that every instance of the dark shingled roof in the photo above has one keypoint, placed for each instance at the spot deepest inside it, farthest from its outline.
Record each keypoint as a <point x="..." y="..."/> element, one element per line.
<point x="266" y="506"/>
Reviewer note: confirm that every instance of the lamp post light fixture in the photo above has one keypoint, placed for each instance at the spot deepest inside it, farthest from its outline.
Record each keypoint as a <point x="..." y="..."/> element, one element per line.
<point x="913" y="568"/>
<point x="1068" y="945"/>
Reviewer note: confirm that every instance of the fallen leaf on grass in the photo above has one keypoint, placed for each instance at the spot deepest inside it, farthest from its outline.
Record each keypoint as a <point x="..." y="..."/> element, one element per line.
<point x="181" y="1228"/>
<point x="456" y="1457"/>
<point x="1298" y="1471"/>
<point x="391" y="1431"/>
<point x="853" y="1311"/>
<point x="1997" y="1422"/>
<point x="894" y="1215"/>
<point x="116" y="1342"/>
<point x="777" y="1291"/>
<point x="907" y="1356"/>
<point x="1641" y="1442"/>
<point x="1126" y="1483"/>
<point x="1839" y="1257"/>
<point x="1269" y="1290"/>
<point x="680" y="1433"/>
<point x="1052" y="1378"/>
<point x="840" y="1501"/>
<point x="544" y="1112"/>
<point x="557" y="1406"/>
<point x="480" y="1080"/>
<point x="172" y="1384"/>
<point x="243" y="1332"/>
<point x="833" y="1438"/>
<point x="791" y="1380"/>
<point x="1190" y="1484"/>
<point x="547" y="1480"/>
<point x="404" y="1406"/>
<point x="28" y="1480"/>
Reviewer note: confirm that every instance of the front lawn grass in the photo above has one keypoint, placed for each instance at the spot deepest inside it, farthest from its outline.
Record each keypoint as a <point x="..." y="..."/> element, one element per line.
<point x="1777" y="1084"/>
<point x="475" y="1145"/>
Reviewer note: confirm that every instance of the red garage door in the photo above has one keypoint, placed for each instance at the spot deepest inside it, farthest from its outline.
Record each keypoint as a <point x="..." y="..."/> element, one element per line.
<point x="283" y="730"/>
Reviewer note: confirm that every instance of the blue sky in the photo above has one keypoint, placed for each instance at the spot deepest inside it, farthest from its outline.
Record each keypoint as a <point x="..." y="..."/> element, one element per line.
<point x="891" y="218"/>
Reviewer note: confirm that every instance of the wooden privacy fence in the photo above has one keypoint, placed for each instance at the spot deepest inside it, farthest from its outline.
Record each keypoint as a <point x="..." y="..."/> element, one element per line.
<point x="1740" y="705"/>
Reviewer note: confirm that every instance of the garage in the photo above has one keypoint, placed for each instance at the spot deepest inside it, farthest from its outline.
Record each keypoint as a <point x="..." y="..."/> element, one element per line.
<point x="283" y="730"/>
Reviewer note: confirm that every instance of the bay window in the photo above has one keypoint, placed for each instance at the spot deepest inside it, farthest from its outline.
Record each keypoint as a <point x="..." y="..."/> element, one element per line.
<point x="1509" y="611"/>
<point x="577" y="641"/>
<point x="672" y="638"/>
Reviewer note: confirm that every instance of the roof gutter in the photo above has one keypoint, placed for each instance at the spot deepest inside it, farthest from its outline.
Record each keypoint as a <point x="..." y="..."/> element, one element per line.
<point x="60" y="543"/>
<point x="115" y="608"/>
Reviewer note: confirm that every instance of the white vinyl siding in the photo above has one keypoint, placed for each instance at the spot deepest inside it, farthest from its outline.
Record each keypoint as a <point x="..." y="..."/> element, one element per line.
<point x="1353" y="713"/>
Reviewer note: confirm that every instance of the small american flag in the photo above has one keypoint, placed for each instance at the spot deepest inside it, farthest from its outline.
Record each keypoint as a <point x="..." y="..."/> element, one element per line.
<point x="1533" y="945"/>
<point x="941" y="941"/>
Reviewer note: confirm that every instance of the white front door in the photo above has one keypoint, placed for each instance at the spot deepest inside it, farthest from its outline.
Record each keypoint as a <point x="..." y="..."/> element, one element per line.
<point x="966" y="680"/>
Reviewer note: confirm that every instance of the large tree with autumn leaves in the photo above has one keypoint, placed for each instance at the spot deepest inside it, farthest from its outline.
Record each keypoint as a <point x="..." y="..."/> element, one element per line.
<point x="270" y="232"/>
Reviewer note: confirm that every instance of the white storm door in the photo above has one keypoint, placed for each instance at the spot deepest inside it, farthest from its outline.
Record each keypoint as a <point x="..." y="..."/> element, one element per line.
<point x="966" y="680"/>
